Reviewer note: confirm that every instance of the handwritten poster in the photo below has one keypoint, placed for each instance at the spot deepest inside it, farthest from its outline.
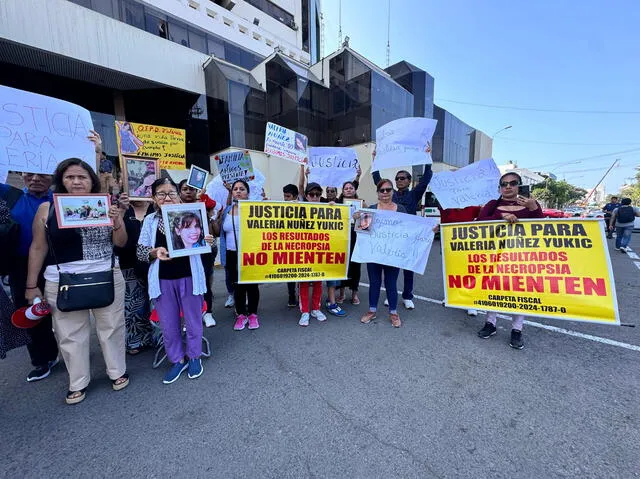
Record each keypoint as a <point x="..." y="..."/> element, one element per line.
<point x="332" y="166"/>
<point x="284" y="143"/>
<point x="150" y="141"/>
<point x="37" y="132"/>
<point x="394" y="239"/>
<point x="235" y="165"/>
<point x="473" y="185"/>
<point x="404" y="142"/>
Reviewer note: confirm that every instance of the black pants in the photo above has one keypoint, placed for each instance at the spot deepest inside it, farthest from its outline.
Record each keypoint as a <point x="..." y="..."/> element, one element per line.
<point x="292" y="290"/>
<point x="207" y="264"/>
<point x="43" y="347"/>
<point x="242" y="293"/>
<point x="354" y="271"/>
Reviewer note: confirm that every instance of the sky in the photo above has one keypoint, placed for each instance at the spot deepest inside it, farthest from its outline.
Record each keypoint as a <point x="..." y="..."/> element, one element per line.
<point x="543" y="54"/>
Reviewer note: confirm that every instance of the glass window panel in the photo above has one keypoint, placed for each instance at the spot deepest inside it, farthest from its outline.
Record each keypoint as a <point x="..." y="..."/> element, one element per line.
<point x="106" y="7"/>
<point x="237" y="97"/>
<point x="216" y="46"/>
<point x="133" y="14"/>
<point x="197" y="41"/>
<point x="178" y="33"/>
<point x="155" y="25"/>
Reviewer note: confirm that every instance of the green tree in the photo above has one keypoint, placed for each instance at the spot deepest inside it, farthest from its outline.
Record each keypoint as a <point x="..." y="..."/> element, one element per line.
<point x="557" y="194"/>
<point x="632" y="191"/>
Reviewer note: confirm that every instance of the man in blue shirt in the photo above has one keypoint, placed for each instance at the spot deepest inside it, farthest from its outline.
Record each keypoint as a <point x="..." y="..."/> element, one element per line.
<point x="410" y="199"/>
<point x="43" y="349"/>
<point x="608" y="209"/>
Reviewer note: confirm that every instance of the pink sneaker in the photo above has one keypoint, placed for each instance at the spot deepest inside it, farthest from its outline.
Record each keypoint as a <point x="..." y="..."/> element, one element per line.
<point x="253" y="321"/>
<point x="241" y="322"/>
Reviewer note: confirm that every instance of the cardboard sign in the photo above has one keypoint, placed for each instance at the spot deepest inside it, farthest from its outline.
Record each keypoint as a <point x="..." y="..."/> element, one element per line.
<point x="284" y="143"/>
<point x="283" y="241"/>
<point x="473" y="185"/>
<point x="404" y="142"/>
<point x="235" y="165"/>
<point x="549" y="268"/>
<point x="37" y="132"/>
<point x="332" y="166"/>
<point x="393" y="239"/>
<point x="168" y="145"/>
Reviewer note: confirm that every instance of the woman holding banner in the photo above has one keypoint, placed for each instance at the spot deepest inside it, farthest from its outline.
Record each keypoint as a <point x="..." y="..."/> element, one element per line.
<point x="375" y="270"/>
<point x="350" y="192"/>
<point x="509" y="207"/>
<point x="227" y="226"/>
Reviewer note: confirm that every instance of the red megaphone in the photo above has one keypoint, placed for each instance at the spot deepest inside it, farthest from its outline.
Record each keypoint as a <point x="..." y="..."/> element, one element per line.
<point x="30" y="316"/>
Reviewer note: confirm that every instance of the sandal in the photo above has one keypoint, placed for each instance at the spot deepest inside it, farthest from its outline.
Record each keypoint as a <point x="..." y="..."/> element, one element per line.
<point x="74" y="397"/>
<point x="136" y="351"/>
<point x="355" y="300"/>
<point x="120" y="383"/>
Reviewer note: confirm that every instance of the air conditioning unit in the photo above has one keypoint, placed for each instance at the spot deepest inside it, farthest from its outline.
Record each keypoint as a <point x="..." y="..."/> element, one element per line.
<point x="228" y="4"/>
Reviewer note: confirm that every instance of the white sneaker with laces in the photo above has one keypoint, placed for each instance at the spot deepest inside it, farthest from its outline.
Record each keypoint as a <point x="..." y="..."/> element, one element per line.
<point x="319" y="315"/>
<point x="304" y="319"/>
<point x="472" y="312"/>
<point x="209" y="320"/>
<point x="229" y="302"/>
<point x="408" y="303"/>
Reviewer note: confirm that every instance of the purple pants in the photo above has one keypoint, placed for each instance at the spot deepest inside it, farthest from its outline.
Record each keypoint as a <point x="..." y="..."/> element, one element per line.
<point x="177" y="295"/>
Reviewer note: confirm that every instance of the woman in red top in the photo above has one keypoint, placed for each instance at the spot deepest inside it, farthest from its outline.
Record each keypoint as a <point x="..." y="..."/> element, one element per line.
<point x="509" y="207"/>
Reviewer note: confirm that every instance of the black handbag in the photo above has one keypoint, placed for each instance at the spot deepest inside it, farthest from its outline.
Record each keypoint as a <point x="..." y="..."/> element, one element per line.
<point x="80" y="291"/>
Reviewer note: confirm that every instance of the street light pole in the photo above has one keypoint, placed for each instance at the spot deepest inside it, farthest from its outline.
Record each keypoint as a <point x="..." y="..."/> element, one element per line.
<point x="500" y="131"/>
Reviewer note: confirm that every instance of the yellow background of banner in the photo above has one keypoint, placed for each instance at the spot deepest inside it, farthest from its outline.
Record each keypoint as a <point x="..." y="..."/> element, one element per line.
<point x="591" y="262"/>
<point x="164" y="143"/>
<point x="252" y="239"/>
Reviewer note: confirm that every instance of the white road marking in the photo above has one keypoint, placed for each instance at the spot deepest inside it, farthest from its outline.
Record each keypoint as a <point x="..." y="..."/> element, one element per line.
<point x="555" y="329"/>
<point x="632" y="255"/>
<point x="637" y="263"/>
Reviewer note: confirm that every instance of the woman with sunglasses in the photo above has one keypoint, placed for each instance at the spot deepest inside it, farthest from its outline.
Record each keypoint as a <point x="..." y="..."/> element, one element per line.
<point x="509" y="207"/>
<point x="375" y="270"/>
<point x="227" y="226"/>
<point x="176" y="284"/>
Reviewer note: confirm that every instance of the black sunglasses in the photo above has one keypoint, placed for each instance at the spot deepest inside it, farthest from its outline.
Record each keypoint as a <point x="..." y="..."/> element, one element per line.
<point x="385" y="190"/>
<point x="504" y="184"/>
<point x="314" y="194"/>
<point x="400" y="178"/>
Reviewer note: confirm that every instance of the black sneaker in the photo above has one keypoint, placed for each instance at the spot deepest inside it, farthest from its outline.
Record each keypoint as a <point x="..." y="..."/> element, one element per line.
<point x="516" y="339"/>
<point x="488" y="331"/>
<point x="41" y="372"/>
<point x="292" y="302"/>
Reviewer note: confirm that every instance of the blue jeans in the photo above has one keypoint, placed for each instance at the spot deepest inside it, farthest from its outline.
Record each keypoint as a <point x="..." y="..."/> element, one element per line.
<point x="407" y="289"/>
<point x="623" y="236"/>
<point x="391" y="273"/>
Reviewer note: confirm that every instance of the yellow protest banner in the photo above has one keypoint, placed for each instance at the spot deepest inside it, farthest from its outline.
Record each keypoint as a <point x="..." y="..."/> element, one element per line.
<point x="283" y="241"/>
<point x="549" y="268"/>
<point x="150" y="141"/>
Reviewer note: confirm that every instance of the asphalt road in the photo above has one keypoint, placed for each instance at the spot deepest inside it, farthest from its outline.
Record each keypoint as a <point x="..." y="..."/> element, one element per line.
<point x="342" y="399"/>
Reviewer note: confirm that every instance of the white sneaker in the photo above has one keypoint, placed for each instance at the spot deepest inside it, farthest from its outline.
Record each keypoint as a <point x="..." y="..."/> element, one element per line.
<point x="229" y="302"/>
<point x="319" y="315"/>
<point x="304" y="319"/>
<point x="386" y="302"/>
<point x="209" y="320"/>
<point x="472" y="312"/>
<point x="408" y="303"/>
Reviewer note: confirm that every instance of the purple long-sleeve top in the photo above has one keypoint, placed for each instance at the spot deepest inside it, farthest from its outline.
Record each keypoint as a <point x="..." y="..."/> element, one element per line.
<point x="492" y="211"/>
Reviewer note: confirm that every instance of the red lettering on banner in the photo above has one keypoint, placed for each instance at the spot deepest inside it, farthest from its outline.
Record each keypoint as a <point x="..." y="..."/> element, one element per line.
<point x="597" y="286"/>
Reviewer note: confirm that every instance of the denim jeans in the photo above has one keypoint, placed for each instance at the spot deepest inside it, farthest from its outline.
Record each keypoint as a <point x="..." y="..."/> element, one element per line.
<point x="391" y="273"/>
<point x="623" y="236"/>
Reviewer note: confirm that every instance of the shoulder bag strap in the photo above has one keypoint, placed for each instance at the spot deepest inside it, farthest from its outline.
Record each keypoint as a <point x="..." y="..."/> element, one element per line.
<point x="51" y="214"/>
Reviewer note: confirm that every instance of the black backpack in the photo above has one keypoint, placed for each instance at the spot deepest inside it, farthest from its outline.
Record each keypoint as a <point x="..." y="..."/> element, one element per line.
<point x="9" y="229"/>
<point x="626" y="214"/>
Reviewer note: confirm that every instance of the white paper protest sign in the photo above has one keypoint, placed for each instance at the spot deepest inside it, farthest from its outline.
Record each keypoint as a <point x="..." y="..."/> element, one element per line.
<point x="217" y="191"/>
<point x="37" y="132"/>
<point x="395" y="239"/>
<point x="404" y="142"/>
<point x="473" y="185"/>
<point x="332" y="166"/>
<point x="235" y="165"/>
<point x="284" y="143"/>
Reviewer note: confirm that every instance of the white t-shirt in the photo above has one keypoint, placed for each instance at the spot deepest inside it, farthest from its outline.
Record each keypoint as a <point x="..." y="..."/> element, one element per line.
<point x="227" y="227"/>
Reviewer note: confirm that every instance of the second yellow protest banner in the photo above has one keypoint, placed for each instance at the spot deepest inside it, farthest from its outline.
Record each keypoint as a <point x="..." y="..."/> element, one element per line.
<point x="548" y="268"/>
<point x="150" y="141"/>
<point x="289" y="241"/>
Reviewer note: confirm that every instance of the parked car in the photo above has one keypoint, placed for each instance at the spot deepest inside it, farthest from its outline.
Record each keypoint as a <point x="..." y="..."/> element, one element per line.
<point x="593" y="214"/>
<point x="573" y="212"/>
<point x="552" y="213"/>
